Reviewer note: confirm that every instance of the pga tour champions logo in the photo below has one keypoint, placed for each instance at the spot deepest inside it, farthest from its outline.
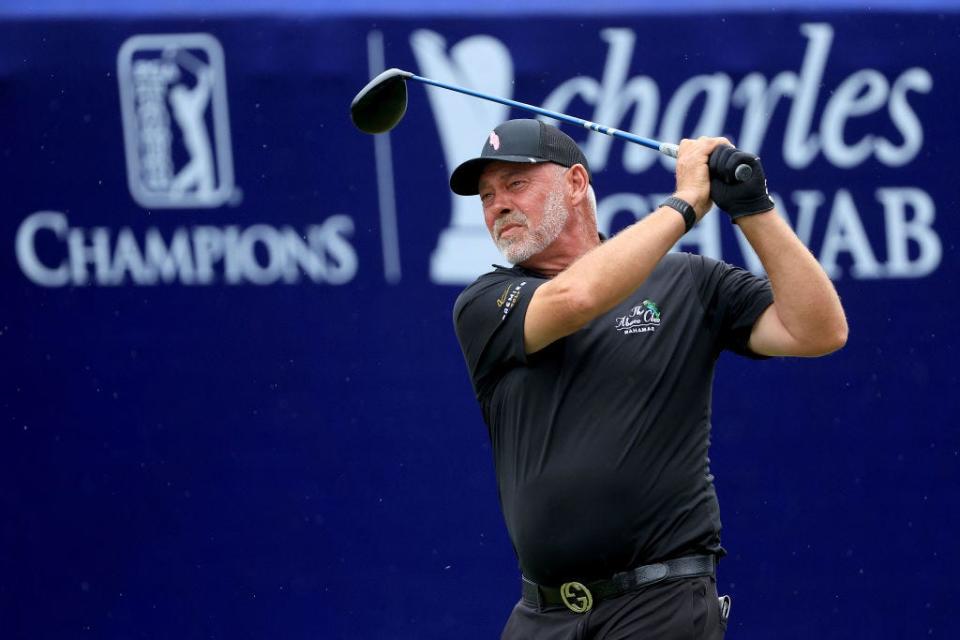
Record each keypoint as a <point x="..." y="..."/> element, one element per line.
<point x="175" y="120"/>
<point x="177" y="137"/>
<point x="643" y="318"/>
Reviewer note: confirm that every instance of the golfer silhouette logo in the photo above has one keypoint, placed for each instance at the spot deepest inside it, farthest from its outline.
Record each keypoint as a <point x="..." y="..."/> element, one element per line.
<point x="176" y="121"/>
<point x="464" y="250"/>
<point x="189" y="108"/>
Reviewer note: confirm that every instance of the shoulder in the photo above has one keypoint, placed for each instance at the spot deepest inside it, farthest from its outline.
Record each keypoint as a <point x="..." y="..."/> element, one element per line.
<point x="500" y="278"/>
<point x="677" y="260"/>
<point x="678" y="264"/>
<point x="686" y="260"/>
<point x="699" y="266"/>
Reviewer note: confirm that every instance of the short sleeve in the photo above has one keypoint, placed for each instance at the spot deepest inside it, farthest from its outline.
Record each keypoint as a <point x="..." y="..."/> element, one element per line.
<point x="733" y="299"/>
<point x="488" y="317"/>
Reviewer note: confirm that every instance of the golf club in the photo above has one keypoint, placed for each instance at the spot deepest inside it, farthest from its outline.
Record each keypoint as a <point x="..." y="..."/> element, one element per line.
<point x="381" y="104"/>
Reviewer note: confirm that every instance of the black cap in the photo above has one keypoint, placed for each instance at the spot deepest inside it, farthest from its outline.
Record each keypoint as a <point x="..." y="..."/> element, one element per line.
<point x="524" y="141"/>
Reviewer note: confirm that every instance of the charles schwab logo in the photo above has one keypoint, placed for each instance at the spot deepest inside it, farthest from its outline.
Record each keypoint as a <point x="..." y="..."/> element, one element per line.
<point x="845" y="121"/>
<point x="643" y="318"/>
<point x="176" y="125"/>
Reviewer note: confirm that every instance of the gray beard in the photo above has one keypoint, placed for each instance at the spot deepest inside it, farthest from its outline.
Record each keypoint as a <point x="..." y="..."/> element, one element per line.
<point x="555" y="215"/>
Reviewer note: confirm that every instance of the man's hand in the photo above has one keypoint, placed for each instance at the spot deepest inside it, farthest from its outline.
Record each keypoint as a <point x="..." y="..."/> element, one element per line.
<point x="693" y="172"/>
<point x="738" y="199"/>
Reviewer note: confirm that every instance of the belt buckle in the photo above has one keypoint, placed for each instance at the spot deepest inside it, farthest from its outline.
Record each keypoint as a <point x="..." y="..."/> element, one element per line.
<point x="576" y="597"/>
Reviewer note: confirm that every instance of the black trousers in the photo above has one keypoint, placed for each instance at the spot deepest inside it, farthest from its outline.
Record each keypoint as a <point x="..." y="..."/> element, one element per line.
<point x="680" y="609"/>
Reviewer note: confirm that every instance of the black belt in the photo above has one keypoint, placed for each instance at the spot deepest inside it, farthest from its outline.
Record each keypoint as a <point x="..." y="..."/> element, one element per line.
<point x="579" y="597"/>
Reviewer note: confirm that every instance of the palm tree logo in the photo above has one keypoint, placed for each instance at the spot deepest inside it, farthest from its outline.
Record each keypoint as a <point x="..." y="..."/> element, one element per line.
<point x="652" y="308"/>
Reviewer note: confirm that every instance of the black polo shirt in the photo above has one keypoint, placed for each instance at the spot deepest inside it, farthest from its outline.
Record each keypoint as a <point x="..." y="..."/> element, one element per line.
<point x="600" y="440"/>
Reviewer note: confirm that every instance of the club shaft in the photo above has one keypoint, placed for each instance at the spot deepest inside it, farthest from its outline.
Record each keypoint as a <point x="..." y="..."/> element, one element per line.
<point x="664" y="148"/>
<point x="742" y="172"/>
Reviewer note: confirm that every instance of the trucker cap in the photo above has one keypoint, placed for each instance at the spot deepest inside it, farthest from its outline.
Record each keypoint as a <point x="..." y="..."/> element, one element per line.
<point x="525" y="141"/>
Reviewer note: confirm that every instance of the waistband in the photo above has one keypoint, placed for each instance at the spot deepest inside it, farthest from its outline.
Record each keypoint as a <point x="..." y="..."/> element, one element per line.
<point x="579" y="597"/>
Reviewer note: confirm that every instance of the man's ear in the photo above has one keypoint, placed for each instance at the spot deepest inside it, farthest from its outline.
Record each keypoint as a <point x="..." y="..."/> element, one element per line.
<point x="577" y="183"/>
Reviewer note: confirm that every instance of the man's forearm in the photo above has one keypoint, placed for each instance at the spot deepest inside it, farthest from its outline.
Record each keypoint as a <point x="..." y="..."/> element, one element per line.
<point x="806" y="302"/>
<point x="606" y="275"/>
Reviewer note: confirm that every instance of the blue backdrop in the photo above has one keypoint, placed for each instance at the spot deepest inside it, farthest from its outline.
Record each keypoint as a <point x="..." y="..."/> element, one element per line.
<point x="233" y="403"/>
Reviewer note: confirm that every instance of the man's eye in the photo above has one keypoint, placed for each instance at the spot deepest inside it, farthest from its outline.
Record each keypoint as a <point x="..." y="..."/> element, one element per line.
<point x="515" y="184"/>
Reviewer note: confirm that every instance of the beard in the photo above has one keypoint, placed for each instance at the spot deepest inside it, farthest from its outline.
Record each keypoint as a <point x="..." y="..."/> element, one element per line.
<point x="526" y="244"/>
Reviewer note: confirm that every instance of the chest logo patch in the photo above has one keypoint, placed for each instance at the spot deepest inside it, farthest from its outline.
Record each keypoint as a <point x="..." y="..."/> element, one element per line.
<point x="509" y="297"/>
<point x="643" y="318"/>
<point x="503" y="297"/>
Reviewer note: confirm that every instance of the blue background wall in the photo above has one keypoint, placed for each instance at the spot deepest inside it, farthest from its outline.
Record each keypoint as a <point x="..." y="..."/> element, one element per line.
<point x="285" y="444"/>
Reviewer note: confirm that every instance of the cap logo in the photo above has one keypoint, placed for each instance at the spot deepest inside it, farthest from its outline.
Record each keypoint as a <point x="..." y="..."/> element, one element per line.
<point x="494" y="141"/>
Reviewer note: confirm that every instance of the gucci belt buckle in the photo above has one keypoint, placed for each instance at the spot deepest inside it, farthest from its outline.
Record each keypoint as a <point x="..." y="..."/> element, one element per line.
<point x="576" y="597"/>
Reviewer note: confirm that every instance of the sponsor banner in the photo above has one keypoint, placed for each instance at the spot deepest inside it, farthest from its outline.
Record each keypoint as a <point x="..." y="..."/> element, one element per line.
<point x="234" y="402"/>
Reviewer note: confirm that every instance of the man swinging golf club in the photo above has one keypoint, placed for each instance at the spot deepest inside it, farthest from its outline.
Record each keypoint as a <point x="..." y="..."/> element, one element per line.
<point x="593" y="362"/>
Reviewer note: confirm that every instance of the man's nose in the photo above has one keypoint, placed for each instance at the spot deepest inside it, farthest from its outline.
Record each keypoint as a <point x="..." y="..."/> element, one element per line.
<point x="501" y="206"/>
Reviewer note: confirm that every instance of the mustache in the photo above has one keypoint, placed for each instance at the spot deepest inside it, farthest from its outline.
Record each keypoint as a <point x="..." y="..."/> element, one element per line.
<point x="517" y="217"/>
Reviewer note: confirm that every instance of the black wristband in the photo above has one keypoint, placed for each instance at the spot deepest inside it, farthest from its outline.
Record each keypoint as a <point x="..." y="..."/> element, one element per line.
<point x="684" y="208"/>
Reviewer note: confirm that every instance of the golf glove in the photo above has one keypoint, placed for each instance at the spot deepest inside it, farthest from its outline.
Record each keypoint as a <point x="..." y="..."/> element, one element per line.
<point x="738" y="199"/>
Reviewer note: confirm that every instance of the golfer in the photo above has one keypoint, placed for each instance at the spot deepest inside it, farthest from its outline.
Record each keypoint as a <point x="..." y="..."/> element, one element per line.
<point x="593" y="362"/>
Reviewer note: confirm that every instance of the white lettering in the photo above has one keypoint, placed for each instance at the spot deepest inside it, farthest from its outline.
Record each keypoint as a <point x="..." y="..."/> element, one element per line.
<point x="716" y="89"/>
<point x="332" y="236"/>
<point x="267" y="237"/>
<point x="919" y="230"/>
<point x="171" y="263"/>
<point x="26" y="248"/>
<point x="612" y="99"/>
<point x="845" y="234"/>
<point x="128" y="259"/>
<point x="208" y="248"/>
<point x="97" y="253"/>
<point x="800" y="147"/>
<point x="297" y="253"/>
<point x="232" y="258"/>
<point x="914" y="249"/>
<point x="759" y="100"/>
<point x="905" y="118"/>
<point x="862" y="93"/>
<point x="259" y="254"/>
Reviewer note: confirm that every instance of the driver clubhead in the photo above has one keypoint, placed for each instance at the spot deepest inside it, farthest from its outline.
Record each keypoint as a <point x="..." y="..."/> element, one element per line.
<point x="380" y="105"/>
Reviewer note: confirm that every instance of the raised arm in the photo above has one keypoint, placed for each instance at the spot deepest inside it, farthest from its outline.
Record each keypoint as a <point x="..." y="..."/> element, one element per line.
<point x="806" y="318"/>
<point x="606" y="275"/>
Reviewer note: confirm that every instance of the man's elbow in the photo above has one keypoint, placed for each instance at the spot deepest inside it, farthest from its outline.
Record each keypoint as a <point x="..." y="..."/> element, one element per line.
<point x="843" y="332"/>
<point x="831" y="340"/>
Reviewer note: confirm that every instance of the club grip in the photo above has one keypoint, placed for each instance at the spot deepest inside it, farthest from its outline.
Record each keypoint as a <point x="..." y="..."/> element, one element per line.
<point x="740" y="173"/>
<point x="726" y="163"/>
<point x="743" y="172"/>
